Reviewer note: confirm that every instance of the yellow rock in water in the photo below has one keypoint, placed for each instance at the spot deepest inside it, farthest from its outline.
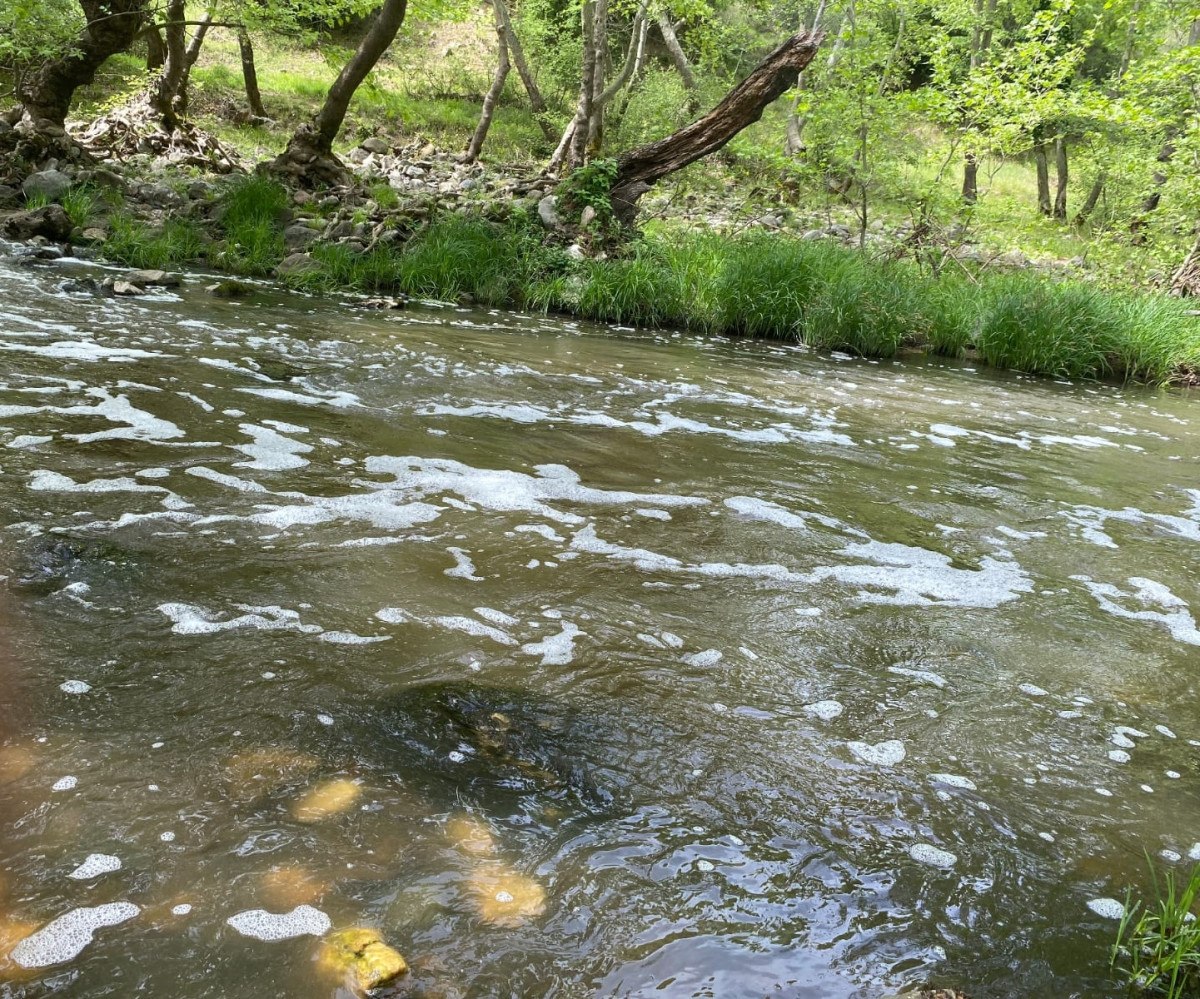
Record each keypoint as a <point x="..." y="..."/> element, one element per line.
<point x="471" y="835"/>
<point x="504" y="897"/>
<point x="258" y="771"/>
<point x="329" y="798"/>
<point x="361" y="958"/>
<point x="15" y="762"/>
<point x="286" y="887"/>
<point x="12" y="932"/>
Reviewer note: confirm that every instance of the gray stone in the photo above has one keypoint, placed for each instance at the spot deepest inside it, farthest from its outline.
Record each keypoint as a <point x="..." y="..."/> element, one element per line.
<point x="154" y="279"/>
<point x="49" y="221"/>
<point x="340" y="230"/>
<point x="547" y="211"/>
<point x="375" y="145"/>
<point x="470" y="184"/>
<point x="415" y="171"/>
<point x="159" y="195"/>
<point x="296" y="263"/>
<point x="587" y="216"/>
<point x="8" y="195"/>
<point x="575" y="252"/>
<point x="94" y="234"/>
<point x="52" y="184"/>
<point x="127" y="288"/>
<point x="814" y="234"/>
<point x="299" y="237"/>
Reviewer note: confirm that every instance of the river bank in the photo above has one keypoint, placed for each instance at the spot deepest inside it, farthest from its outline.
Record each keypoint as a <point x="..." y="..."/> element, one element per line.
<point x="417" y="223"/>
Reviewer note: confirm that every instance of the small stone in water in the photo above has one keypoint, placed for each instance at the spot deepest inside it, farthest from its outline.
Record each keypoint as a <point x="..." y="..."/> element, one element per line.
<point x="360" y="954"/>
<point x="74" y="687"/>
<point x="503" y="897"/>
<point x="924" y="853"/>
<point x="330" y="798"/>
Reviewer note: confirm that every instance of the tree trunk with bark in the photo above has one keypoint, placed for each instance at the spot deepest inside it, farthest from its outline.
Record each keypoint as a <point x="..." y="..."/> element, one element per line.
<point x="156" y="51"/>
<point x="111" y="27"/>
<point x="309" y="154"/>
<point x="797" y="122"/>
<point x="970" y="185"/>
<point x="634" y="53"/>
<point x="1042" y="162"/>
<point x="1060" y="169"/>
<point x="190" y="56"/>
<point x="680" y="59"/>
<point x="537" y="103"/>
<point x="250" y="74"/>
<point x="1093" y="199"/>
<point x="164" y="92"/>
<point x="640" y="168"/>
<point x="492" y="97"/>
<point x="1186" y="280"/>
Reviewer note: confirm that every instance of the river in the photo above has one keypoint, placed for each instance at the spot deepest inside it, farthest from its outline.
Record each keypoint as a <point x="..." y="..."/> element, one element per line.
<point x="576" y="661"/>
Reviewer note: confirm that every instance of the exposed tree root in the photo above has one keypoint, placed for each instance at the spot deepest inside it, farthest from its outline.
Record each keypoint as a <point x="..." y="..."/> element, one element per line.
<point x="305" y="164"/>
<point x="138" y="128"/>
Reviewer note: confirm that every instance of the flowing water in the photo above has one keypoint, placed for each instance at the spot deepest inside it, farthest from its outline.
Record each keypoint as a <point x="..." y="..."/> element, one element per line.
<point x="576" y="661"/>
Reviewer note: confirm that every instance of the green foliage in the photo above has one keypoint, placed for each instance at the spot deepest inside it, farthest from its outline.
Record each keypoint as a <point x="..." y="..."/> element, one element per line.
<point x="765" y="284"/>
<point x="37" y="200"/>
<point x="385" y="196"/>
<point x="1158" y="943"/>
<point x="588" y="186"/>
<point x="867" y="308"/>
<point x="34" y="30"/>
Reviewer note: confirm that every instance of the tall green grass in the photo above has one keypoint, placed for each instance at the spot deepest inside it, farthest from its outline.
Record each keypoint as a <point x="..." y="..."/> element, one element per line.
<point x="766" y="285"/>
<point x="176" y="241"/>
<point x="252" y="214"/>
<point x="1158" y="942"/>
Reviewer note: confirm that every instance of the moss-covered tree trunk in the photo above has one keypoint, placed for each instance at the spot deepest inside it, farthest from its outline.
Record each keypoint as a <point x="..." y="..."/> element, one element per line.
<point x="640" y="168"/>
<point x="111" y="26"/>
<point x="309" y="154"/>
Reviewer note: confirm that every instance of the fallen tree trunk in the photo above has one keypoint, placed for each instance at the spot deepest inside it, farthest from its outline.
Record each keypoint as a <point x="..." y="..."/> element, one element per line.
<point x="641" y="168"/>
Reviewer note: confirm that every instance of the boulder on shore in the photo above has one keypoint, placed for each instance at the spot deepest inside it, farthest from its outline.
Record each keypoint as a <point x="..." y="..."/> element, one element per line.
<point x="52" y="184"/>
<point x="50" y="221"/>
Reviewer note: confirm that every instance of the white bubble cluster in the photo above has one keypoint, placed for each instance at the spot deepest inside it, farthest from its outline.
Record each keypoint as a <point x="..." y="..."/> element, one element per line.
<point x="303" y="920"/>
<point x="74" y="687"/>
<point x="95" y="865"/>
<point x="882" y="754"/>
<point x="66" y="936"/>
<point x="924" y="853"/>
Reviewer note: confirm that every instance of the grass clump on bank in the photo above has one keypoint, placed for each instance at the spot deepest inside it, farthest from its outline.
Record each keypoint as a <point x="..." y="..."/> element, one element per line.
<point x="1158" y="943"/>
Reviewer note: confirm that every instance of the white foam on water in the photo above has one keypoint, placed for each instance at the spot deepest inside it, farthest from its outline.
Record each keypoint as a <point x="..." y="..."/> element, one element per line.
<point x="753" y="508"/>
<point x="709" y="657"/>
<point x="74" y="687"/>
<point x="925" y="853"/>
<point x="671" y="639"/>
<point x="555" y="650"/>
<point x="1119" y="756"/>
<point x="79" y="350"/>
<point x="496" y="617"/>
<point x="94" y="865"/>
<point x="23" y="441"/>
<point x="1107" y="908"/>
<point x="167" y="836"/>
<point x="1048" y="837"/>
<point x="325" y="719"/>
<point x="504" y="491"/>
<point x="270" y="451"/>
<point x="313" y="397"/>
<point x="65" y="937"/>
<point x="1032" y="690"/>
<point x="463" y="567"/>
<point x="1164" y="731"/>
<point x="652" y="514"/>
<point x="350" y="638"/>
<point x="1170" y="856"/>
<point x="545" y="530"/>
<point x="190" y="619"/>
<point x="303" y="920"/>
<point x="1172" y="774"/>
<point x="953" y="780"/>
<point x="67" y="783"/>
<point x="924" y="675"/>
<point x="826" y="710"/>
<point x="1104" y="792"/>
<point x="1135" y="733"/>
<point x="883" y="754"/>
<point x="1117" y="739"/>
<point x="181" y="910"/>
<point x="1172" y="612"/>
<point x="1194" y="852"/>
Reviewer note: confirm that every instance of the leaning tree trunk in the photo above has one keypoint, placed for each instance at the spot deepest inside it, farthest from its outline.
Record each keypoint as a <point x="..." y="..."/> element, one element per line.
<point x="493" y="95"/>
<point x="680" y="59"/>
<point x="970" y="187"/>
<point x="250" y="74"/>
<point x="1060" y="168"/>
<point x="1093" y="199"/>
<point x="640" y="168"/>
<point x="309" y="154"/>
<point x="537" y="103"/>
<point x="46" y="93"/>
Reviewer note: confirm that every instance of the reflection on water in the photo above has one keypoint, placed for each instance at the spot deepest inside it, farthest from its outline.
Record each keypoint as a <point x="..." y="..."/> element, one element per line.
<point x="573" y="662"/>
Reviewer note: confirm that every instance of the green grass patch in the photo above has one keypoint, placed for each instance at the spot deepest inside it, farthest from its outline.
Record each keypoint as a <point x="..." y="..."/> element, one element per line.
<point x="176" y="241"/>
<point x="252" y="214"/>
<point x="1158" y="942"/>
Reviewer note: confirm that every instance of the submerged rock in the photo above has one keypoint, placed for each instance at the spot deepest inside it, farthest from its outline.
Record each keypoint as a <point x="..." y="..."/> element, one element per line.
<point x="505" y="897"/>
<point x="258" y="771"/>
<point x="360" y="957"/>
<point x="326" y="800"/>
<point x="471" y="835"/>
<point x="287" y="886"/>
